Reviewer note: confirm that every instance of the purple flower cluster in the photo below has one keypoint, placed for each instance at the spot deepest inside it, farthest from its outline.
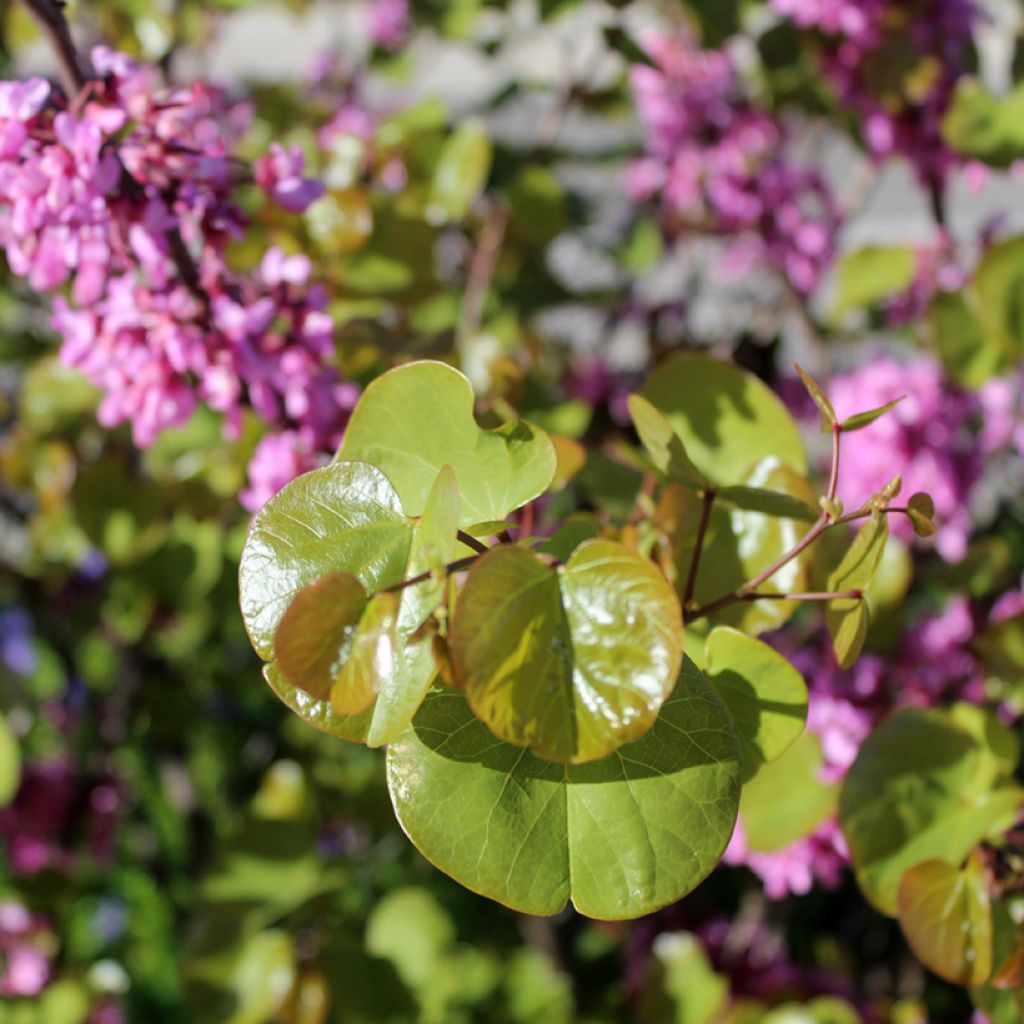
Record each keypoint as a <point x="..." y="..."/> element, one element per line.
<point x="896" y="63"/>
<point x="388" y="23"/>
<point x="128" y="194"/>
<point x="719" y="165"/>
<point x="939" y="436"/>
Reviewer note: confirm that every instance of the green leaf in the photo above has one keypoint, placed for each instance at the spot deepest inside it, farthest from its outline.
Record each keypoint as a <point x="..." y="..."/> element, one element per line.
<point x="726" y="418"/>
<point x="945" y="914"/>
<point x="999" y="286"/>
<point x="818" y="396"/>
<point x="411" y="929"/>
<point x="863" y="419"/>
<point x="989" y="128"/>
<point x="961" y="341"/>
<point x="870" y="275"/>
<point x="770" y="503"/>
<point x="765" y="695"/>
<point x="922" y="787"/>
<point x="461" y="173"/>
<point x="848" y="618"/>
<point x="418" y="418"/>
<point x="921" y="512"/>
<point x="10" y="763"/>
<point x="347" y="518"/>
<point x="620" y="837"/>
<point x="785" y="801"/>
<point x="663" y="444"/>
<point x="570" y="663"/>
<point x="742" y="542"/>
<point x="680" y="986"/>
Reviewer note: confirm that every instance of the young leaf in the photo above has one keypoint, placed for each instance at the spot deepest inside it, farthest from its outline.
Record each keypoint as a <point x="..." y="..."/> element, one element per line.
<point x="315" y="634"/>
<point x="726" y="418"/>
<point x="848" y="618"/>
<point x="770" y="503"/>
<point x="922" y="787"/>
<point x="663" y="444"/>
<point x="820" y="399"/>
<point x="573" y="663"/>
<point x="620" y="837"/>
<point x="461" y="173"/>
<point x="946" y="916"/>
<point x="418" y="418"/>
<point x="765" y="695"/>
<point x="347" y="518"/>
<point x="372" y="659"/>
<point x="921" y="512"/>
<point x="863" y="419"/>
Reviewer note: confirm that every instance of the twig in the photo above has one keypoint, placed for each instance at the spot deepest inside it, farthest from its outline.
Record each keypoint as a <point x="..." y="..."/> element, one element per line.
<point x="472" y="542"/>
<point x="49" y="15"/>
<point x="458" y="566"/>
<point x="702" y="529"/>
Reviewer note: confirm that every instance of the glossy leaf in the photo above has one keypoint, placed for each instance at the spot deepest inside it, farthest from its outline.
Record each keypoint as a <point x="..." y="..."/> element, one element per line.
<point x="372" y="659"/>
<point x="619" y="837"/>
<point x="347" y="518"/>
<point x="570" y="663"/>
<point x="663" y="444"/>
<point x="818" y="396"/>
<point x="313" y="638"/>
<point x="727" y="419"/>
<point x="764" y="693"/>
<point x="945" y="914"/>
<point x="863" y="419"/>
<point x="922" y="787"/>
<point x="414" y="420"/>
<point x="848" y="618"/>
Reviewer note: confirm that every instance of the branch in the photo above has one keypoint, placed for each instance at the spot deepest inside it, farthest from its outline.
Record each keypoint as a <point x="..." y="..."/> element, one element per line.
<point x="49" y="15"/>
<point x="472" y="542"/>
<point x="702" y="529"/>
<point x="462" y="563"/>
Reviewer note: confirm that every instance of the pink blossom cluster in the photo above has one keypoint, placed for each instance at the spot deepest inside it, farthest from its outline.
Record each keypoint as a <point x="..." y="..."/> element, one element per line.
<point x="25" y="952"/>
<point x="719" y="165"/>
<point x="938" y="435"/>
<point x="127" y="193"/>
<point x="918" y="50"/>
<point x="388" y="23"/>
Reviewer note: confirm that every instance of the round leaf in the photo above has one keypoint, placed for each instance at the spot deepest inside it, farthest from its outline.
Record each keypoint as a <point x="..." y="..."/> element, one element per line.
<point x="922" y="787"/>
<point x="726" y="418"/>
<point x="418" y="418"/>
<point x="946" y="916"/>
<point x="573" y="663"/>
<point x="620" y="837"/>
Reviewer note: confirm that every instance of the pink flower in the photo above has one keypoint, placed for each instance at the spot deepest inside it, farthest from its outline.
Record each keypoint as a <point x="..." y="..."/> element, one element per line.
<point x="279" y="174"/>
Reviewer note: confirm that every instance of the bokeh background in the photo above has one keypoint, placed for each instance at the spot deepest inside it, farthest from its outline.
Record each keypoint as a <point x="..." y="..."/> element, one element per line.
<point x="553" y="195"/>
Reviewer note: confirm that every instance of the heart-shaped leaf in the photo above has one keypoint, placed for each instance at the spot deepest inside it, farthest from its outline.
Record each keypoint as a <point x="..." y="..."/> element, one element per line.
<point x="620" y="837"/>
<point x="946" y="915"/>
<point x="765" y="695"/>
<point x="921" y="512"/>
<point x="727" y="419"/>
<point x="570" y="663"/>
<point x="347" y="518"/>
<point x="418" y="418"/>
<point x="922" y="787"/>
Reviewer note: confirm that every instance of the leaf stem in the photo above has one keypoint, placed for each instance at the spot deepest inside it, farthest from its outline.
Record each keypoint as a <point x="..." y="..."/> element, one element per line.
<point x="810" y="595"/>
<point x="457" y="566"/>
<point x="702" y="529"/>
